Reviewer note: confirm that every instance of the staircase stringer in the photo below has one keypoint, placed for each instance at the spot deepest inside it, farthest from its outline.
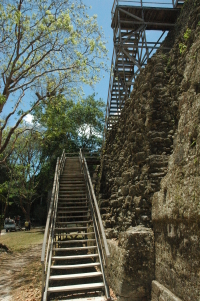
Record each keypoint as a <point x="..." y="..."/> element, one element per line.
<point x="101" y="257"/>
<point x="51" y="249"/>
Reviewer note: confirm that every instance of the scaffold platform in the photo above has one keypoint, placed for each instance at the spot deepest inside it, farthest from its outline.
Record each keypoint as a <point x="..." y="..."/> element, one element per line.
<point x="130" y="21"/>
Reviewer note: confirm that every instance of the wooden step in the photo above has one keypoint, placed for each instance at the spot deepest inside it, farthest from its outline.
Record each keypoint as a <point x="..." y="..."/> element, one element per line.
<point x="71" y="228"/>
<point x="72" y="203"/>
<point x="76" y="233"/>
<point x="75" y="222"/>
<point x="72" y="208"/>
<point x="79" y="287"/>
<point x="72" y="183"/>
<point x="74" y="257"/>
<point x="72" y="180"/>
<point x="79" y="183"/>
<point x="79" y="233"/>
<point x="90" y="299"/>
<point x="75" y="176"/>
<point x="72" y="193"/>
<point x="69" y="216"/>
<point x="75" y="241"/>
<point x="75" y="266"/>
<point x="72" y="190"/>
<point x="74" y="248"/>
<point x="72" y="211"/>
<point x="75" y="276"/>
<point x="72" y="197"/>
<point x="72" y="187"/>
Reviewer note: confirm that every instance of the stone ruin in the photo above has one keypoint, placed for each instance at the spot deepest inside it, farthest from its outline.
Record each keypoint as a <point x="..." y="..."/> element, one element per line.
<point x="149" y="189"/>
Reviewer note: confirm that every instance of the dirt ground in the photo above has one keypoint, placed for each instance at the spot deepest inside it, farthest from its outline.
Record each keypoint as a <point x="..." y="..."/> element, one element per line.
<point x="20" y="275"/>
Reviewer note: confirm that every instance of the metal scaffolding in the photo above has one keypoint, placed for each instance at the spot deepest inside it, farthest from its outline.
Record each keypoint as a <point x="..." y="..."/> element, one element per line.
<point x="130" y="22"/>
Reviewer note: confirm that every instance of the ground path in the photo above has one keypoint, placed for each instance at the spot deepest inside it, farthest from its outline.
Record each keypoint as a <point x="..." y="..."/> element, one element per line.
<point x="21" y="274"/>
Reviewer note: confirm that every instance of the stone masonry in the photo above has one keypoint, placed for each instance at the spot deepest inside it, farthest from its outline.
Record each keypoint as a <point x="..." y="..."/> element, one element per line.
<point x="150" y="172"/>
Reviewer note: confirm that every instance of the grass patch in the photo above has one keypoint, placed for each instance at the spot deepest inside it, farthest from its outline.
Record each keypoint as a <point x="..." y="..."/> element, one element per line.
<point x="19" y="241"/>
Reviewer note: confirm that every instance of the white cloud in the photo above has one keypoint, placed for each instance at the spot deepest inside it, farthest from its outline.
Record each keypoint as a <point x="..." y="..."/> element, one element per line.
<point x="29" y="119"/>
<point x="85" y="130"/>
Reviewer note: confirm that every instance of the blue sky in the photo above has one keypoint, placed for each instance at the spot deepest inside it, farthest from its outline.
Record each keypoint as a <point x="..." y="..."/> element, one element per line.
<point x="102" y="8"/>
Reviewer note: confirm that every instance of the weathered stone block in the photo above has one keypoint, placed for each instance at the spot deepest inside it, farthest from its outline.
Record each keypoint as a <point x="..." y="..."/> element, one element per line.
<point x="125" y="190"/>
<point x="136" y="201"/>
<point x="132" y="190"/>
<point x="140" y="157"/>
<point x="104" y="203"/>
<point x="161" y="293"/>
<point x="126" y="177"/>
<point x="120" y="201"/>
<point x="111" y="233"/>
<point x="118" y="181"/>
<point x="114" y="203"/>
<point x="130" y="268"/>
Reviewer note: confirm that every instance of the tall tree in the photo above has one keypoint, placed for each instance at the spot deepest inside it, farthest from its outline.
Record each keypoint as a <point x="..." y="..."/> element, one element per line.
<point x="88" y="116"/>
<point x="46" y="46"/>
<point x="72" y="125"/>
<point x="23" y="169"/>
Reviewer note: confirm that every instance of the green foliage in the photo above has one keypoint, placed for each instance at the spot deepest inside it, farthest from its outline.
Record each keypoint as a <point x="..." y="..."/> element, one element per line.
<point x="182" y="48"/>
<point x="2" y="99"/>
<point x="23" y="167"/>
<point x="70" y="125"/>
<point x="186" y="36"/>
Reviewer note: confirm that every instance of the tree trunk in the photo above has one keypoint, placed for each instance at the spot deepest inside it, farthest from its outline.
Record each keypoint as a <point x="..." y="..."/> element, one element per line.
<point x="26" y="210"/>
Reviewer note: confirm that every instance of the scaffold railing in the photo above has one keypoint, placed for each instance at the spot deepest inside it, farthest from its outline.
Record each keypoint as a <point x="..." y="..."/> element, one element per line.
<point x="149" y="3"/>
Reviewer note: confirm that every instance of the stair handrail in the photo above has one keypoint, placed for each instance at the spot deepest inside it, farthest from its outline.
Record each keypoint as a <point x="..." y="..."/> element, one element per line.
<point x="85" y="170"/>
<point x="50" y="218"/>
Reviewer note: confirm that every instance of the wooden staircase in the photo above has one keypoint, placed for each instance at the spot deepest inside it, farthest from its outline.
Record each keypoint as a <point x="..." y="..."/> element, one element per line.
<point x="76" y="269"/>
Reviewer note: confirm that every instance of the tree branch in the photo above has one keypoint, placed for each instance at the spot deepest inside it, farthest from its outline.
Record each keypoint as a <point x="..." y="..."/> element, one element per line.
<point x="13" y="112"/>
